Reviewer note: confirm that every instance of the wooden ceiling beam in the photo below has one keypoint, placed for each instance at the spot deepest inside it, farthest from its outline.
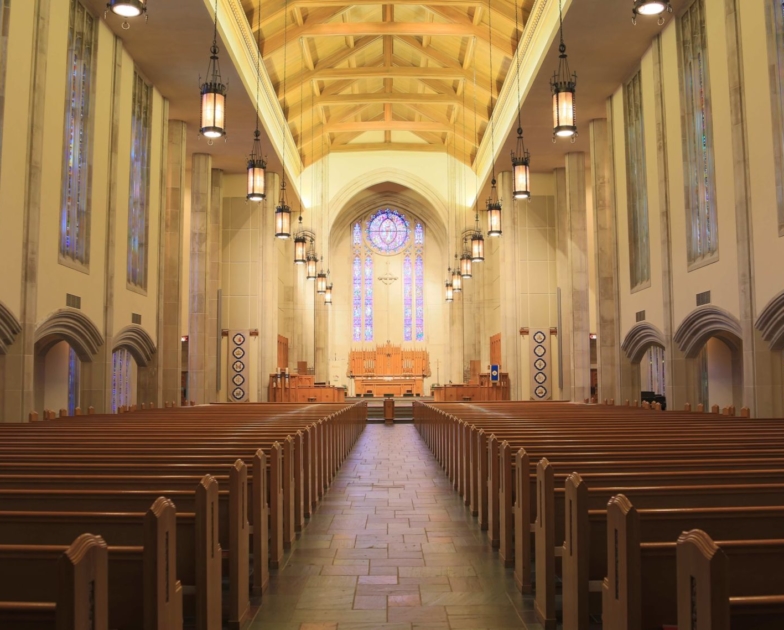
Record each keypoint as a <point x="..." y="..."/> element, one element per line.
<point x="397" y="97"/>
<point x="456" y="18"/>
<point x="449" y="62"/>
<point x="388" y="146"/>
<point x="270" y="45"/>
<point x="383" y="125"/>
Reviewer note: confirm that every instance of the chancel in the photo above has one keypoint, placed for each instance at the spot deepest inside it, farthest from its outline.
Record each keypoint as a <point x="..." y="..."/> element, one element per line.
<point x="346" y="299"/>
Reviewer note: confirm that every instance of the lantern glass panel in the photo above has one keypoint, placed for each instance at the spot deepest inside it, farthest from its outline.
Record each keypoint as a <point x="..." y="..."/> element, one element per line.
<point x="457" y="281"/>
<point x="321" y="283"/>
<point x="449" y="292"/>
<point x="651" y="7"/>
<point x="494" y="221"/>
<point x="256" y="181"/>
<point x="465" y="266"/>
<point x="300" y="251"/>
<point x="521" y="181"/>
<point x="563" y="113"/>
<point x="477" y="249"/>
<point x="282" y="222"/>
<point x="311" y="269"/>
<point x="328" y="295"/>
<point x="213" y="112"/>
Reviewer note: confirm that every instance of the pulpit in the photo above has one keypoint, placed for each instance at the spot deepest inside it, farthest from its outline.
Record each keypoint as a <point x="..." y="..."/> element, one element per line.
<point x="389" y="370"/>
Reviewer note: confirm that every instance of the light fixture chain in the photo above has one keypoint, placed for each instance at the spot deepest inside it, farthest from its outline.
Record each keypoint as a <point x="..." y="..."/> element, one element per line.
<point x="492" y="107"/>
<point x="476" y="140"/>
<point x="517" y="54"/>
<point x="285" y="57"/>
<point x="258" y="63"/>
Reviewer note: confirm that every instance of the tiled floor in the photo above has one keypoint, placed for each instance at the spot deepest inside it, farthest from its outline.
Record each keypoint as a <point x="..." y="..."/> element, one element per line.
<point x="392" y="547"/>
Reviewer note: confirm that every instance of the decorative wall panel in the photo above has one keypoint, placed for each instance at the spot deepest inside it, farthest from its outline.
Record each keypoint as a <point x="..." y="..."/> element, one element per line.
<point x="541" y="384"/>
<point x="238" y="365"/>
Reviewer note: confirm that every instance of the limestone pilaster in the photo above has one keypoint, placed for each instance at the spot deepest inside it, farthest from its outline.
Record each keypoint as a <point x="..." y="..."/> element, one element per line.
<point x="608" y="382"/>
<point x="564" y="280"/>
<point x="201" y="190"/>
<point x="268" y="286"/>
<point x="510" y="286"/>
<point x="578" y="266"/>
<point x="169" y="324"/>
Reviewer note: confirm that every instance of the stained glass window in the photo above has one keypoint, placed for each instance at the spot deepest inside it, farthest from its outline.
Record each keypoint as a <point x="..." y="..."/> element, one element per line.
<point x="75" y="212"/>
<point x="408" y="276"/>
<point x="122" y="368"/>
<point x="419" y="276"/>
<point x="636" y="185"/>
<point x="387" y="232"/>
<point x="5" y="14"/>
<point x="73" y="381"/>
<point x="776" y="27"/>
<point x="138" y="207"/>
<point x="698" y="145"/>
<point x="368" y="296"/>
<point x="357" y="299"/>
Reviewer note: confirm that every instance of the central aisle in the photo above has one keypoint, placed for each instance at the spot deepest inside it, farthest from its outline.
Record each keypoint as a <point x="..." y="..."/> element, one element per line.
<point x="392" y="547"/>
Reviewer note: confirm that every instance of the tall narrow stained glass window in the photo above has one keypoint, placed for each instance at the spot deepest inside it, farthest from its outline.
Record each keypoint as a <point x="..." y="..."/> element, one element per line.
<point x="73" y="381"/>
<point x="139" y="199"/>
<point x="419" y="281"/>
<point x="408" y="301"/>
<point x="636" y="184"/>
<point x="122" y="369"/>
<point x="776" y="54"/>
<point x="368" y="296"/>
<point x="702" y="227"/>
<point x="75" y="212"/>
<point x="356" y="294"/>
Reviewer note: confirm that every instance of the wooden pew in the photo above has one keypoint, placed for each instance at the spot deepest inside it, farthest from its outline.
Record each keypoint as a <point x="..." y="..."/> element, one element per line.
<point x="79" y="597"/>
<point x="640" y="588"/>
<point x="707" y="575"/>
<point x="143" y="588"/>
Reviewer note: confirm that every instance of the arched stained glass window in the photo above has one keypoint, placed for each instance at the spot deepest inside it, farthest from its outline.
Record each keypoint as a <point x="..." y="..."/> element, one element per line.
<point x="408" y="276"/>
<point x="368" y="297"/>
<point x="388" y="232"/>
<point x="357" y="299"/>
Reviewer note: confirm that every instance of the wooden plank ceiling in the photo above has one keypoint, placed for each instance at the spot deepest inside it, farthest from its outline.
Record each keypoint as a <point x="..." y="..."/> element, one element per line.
<point x="363" y="76"/>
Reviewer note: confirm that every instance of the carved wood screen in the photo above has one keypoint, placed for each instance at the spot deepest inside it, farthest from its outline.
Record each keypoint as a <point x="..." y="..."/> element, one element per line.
<point x="495" y="350"/>
<point x="283" y="352"/>
<point x="389" y="360"/>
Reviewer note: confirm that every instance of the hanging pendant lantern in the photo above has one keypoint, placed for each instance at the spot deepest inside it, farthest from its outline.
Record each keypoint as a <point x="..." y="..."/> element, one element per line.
<point x="282" y="214"/>
<point x="321" y="280"/>
<point x="651" y="7"/>
<point x="312" y="261"/>
<point x="300" y="248"/>
<point x="477" y="243"/>
<point x="213" y="93"/>
<point x="521" y="171"/>
<point x="493" y="209"/>
<point x="465" y="264"/>
<point x="328" y="295"/>
<point x="257" y="171"/>
<point x="449" y="290"/>
<point x="457" y="278"/>
<point x="563" y="85"/>
<point x="126" y="9"/>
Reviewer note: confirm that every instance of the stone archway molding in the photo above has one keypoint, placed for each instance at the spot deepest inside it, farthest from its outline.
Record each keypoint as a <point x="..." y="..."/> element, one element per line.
<point x="9" y="328"/>
<point x="417" y="184"/>
<point x="706" y="322"/>
<point x="771" y="322"/>
<point x="138" y="342"/>
<point x="641" y="337"/>
<point x="73" y="326"/>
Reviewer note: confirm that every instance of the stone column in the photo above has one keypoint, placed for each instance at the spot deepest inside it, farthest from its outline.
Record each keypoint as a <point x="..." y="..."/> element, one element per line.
<point x="268" y="287"/>
<point x="201" y="190"/>
<point x="578" y="266"/>
<point x="510" y="283"/>
<point x="564" y="279"/>
<point x="169" y="355"/>
<point x="608" y="342"/>
<point x="214" y="255"/>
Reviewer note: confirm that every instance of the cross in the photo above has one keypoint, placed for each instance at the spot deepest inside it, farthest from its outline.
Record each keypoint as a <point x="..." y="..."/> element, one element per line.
<point x="388" y="278"/>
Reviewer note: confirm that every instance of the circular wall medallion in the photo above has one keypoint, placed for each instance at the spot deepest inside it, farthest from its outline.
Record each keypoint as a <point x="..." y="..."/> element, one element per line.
<point x="540" y="377"/>
<point x="540" y="392"/>
<point x="539" y="337"/>
<point x="540" y="351"/>
<point x="238" y="339"/>
<point x="540" y="364"/>
<point x="238" y="393"/>
<point x="238" y="366"/>
<point x="238" y="379"/>
<point x="238" y="353"/>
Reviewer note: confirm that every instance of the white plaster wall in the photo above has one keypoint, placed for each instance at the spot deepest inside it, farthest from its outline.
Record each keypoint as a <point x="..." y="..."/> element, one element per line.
<point x="56" y="377"/>
<point x="719" y="373"/>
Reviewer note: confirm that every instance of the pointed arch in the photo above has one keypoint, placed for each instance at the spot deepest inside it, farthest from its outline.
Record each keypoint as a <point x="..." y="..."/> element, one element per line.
<point x="73" y="326"/>
<point x="771" y="322"/>
<point x="9" y="328"/>
<point x="706" y="322"/>
<point x="138" y="342"/>
<point x="641" y="337"/>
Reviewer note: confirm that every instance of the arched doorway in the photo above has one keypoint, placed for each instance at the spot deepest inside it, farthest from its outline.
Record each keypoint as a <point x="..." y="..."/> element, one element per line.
<point x="645" y="371"/>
